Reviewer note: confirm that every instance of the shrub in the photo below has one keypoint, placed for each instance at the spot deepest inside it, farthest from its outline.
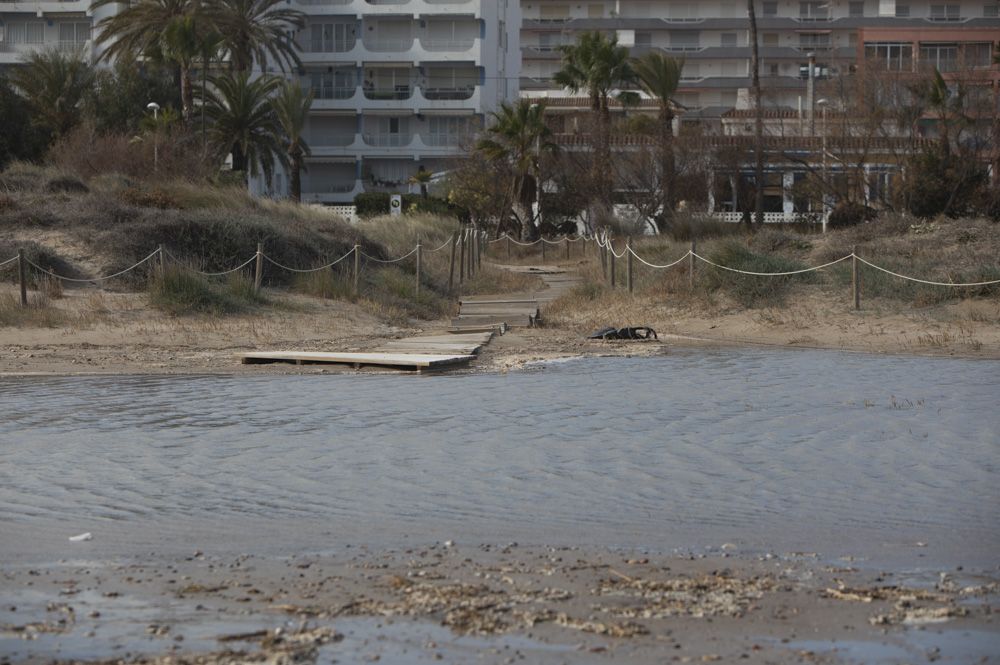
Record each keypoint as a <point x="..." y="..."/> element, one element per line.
<point x="370" y="204"/>
<point x="943" y="184"/>
<point x="38" y="313"/>
<point x="850" y="213"/>
<point x="686" y="228"/>
<point x="751" y="290"/>
<point x="181" y="291"/>
<point x="67" y="184"/>
<point x="37" y="254"/>
<point x="7" y="203"/>
<point x="153" y="198"/>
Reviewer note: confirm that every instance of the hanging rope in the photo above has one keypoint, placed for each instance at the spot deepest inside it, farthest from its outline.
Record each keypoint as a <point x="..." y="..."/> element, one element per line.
<point x="93" y="279"/>
<point x="304" y="270"/>
<point x="404" y="256"/>
<point x="653" y="265"/>
<point x="925" y="281"/>
<point x="771" y="274"/>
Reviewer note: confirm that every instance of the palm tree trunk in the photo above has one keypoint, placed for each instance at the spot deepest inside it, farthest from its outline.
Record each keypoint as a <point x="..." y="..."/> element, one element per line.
<point x="187" y="94"/>
<point x="295" y="181"/>
<point x="605" y="185"/>
<point x="758" y="130"/>
<point x="239" y="160"/>
<point x="667" y="161"/>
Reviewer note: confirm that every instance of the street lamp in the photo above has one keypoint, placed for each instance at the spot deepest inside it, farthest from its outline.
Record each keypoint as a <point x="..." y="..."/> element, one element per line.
<point x="155" y="108"/>
<point x="538" y="175"/>
<point x="824" y="104"/>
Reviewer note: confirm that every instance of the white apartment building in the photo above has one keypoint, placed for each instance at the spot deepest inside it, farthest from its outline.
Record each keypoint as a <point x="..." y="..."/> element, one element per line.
<point x="32" y="26"/>
<point x="713" y="38"/>
<point x="399" y="85"/>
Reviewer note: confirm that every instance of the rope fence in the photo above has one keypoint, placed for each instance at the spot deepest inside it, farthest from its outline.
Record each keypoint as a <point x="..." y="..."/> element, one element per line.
<point x="466" y="250"/>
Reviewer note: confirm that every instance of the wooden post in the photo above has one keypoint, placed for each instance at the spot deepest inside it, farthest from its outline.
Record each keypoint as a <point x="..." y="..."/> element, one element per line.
<point x="451" y="263"/>
<point x="419" y="259"/>
<point x="566" y="239"/>
<point x="258" y="273"/>
<point x="855" y="278"/>
<point x="508" y="245"/>
<point x="628" y="264"/>
<point x="22" y="276"/>
<point x="541" y="239"/>
<point x="162" y="261"/>
<point x="357" y="268"/>
<point x="694" y="248"/>
<point x="479" y="251"/>
<point x="602" y="252"/>
<point x="611" y="251"/>
<point x="461" y="262"/>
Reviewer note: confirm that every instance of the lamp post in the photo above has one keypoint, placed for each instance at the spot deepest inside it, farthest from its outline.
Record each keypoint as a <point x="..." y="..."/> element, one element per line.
<point x="538" y="176"/>
<point x="824" y="103"/>
<point x="155" y="108"/>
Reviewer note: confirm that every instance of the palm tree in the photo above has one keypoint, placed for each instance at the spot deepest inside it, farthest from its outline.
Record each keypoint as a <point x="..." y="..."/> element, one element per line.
<point x="659" y="76"/>
<point x="209" y="48"/>
<point x="164" y="29"/>
<point x="291" y="106"/>
<point x="54" y="83"/>
<point x="257" y="31"/>
<point x="423" y="178"/>
<point x="758" y="132"/>
<point x="244" y="123"/>
<point x="598" y="65"/>
<point x="517" y="138"/>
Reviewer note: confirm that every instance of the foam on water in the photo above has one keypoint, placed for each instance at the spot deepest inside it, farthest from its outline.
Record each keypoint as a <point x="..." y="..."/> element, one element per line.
<point x="836" y="452"/>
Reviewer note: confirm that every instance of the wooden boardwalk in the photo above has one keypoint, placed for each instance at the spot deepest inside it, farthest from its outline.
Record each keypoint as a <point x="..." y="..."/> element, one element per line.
<point x="513" y="310"/>
<point x="478" y="319"/>
<point x="418" y="354"/>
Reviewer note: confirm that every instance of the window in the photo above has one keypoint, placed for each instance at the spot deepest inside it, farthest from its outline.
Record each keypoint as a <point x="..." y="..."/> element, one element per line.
<point x="729" y="39"/>
<point x="821" y="71"/>
<point x="595" y="11"/>
<point x="978" y="55"/>
<point x="555" y="13"/>
<point x="31" y="32"/>
<point x="814" y="40"/>
<point x="73" y="33"/>
<point x="943" y="57"/>
<point x="686" y="40"/>
<point x="856" y="9"/>
<point x="691" y="70"/>
<point x="772" y="70"/>
<point x="770" y="39"/>
<point x="332" y="37"/>
<point x="898" y="57"/>
<point x="770" y="9"/>
<point x="902" y="11"/>
<point x="991" y="11"/>
<point x="644" y="39"/>
<point x="814" y="10"/>
<point x="946" y="12"/>
<point x="730" y="69"/>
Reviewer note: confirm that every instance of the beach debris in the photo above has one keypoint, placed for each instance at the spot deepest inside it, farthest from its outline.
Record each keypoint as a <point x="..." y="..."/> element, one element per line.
<point x="633" y="333"/>
<point x="709" y="595"/>
<point x="81" y="538"/>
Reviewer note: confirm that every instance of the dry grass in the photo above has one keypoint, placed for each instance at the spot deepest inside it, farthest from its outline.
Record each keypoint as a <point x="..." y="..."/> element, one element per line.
<point x="39" y="313"/>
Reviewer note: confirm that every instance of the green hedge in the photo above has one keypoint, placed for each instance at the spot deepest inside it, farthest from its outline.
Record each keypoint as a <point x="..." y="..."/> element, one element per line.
<point x="372" y="204"/>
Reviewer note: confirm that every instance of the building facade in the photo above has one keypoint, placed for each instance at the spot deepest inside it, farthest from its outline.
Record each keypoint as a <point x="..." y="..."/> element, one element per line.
<point x="713" y="38"/>
<point x="33" y="26"/>
<point x="399" y="86"/>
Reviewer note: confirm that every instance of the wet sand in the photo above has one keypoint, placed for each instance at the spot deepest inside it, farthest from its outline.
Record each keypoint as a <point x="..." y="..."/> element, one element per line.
<point x="500" y="603"/>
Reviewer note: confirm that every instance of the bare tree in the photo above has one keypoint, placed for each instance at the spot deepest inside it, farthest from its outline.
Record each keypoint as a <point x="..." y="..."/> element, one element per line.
<point x="758" y="130"/>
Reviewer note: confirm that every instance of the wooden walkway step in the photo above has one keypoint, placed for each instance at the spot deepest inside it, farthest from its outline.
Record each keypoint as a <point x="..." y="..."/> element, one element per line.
<point x="411" y="361"/>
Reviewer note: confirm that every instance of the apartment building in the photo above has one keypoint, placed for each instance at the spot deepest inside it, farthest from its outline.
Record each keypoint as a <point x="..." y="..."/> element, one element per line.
<point x="399" y="85"/>
<point x="713" y="38"/>
<point x="32" y="26"/>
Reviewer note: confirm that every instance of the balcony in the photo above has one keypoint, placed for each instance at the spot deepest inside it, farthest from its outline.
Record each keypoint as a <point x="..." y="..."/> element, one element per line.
<point x="398" y="92"/>
<point x="448" y="93"/>
<point x="401" y="51"/>
<point x="47" y="7"/>
<point x="437" y="45"/>
<point x="387" y="140"/>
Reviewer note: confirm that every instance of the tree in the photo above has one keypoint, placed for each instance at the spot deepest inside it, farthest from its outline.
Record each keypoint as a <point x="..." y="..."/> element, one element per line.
<point x="257" y="31"/>
<point x="54" y="84"/>
<point x="423" y="178"/>
<point x="244" y="123"/>
<point x="117" y="101"/>
<point x="598" y="65"/>
<point x="157" y="29"/>
<point x="20" y="138"/>
<point x="517" y="137"/>
<point x="758" y="128"/>
<point x="291" y="106"/>
<point x="659" y="76"/>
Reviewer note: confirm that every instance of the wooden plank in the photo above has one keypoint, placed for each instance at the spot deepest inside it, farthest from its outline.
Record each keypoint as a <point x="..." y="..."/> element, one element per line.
<point x="403" y="346"/>
<point x="472" y="338"/>
<point x="405" y="360"/>
<point x="484" y="321"/>
<point x="492" y="300"/>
